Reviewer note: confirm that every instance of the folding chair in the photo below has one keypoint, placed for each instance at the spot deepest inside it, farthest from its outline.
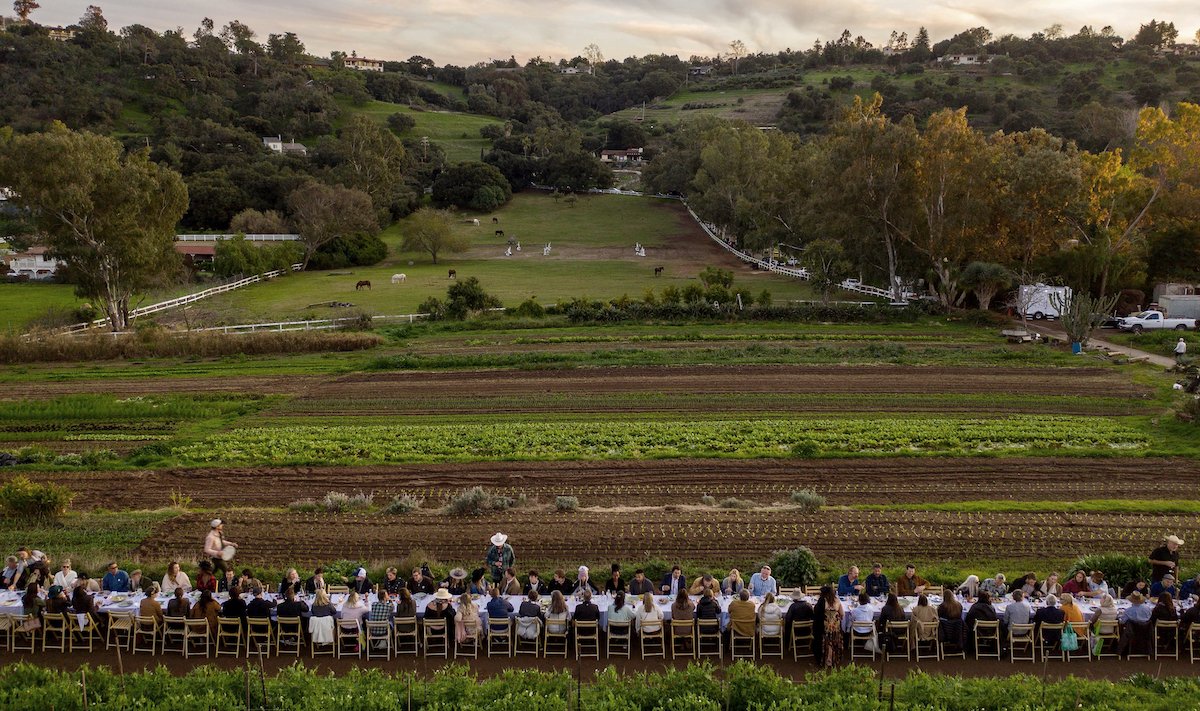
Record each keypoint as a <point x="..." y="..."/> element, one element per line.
<point x="405" y="638"/>
<point x="987" y="631"/>
<point x="1084" y="650"/>
<point x="708" y="639"/>
<point x="1021" y="636"/>
<point x="55" y="625"/>
<point x="145" y="628"/>
<point x="812" y="590"/>
<point x="23" y="640"/>
<point x="174" y="629"/>
<point x="379" y="639"/>
<point x="347" y="632"/>
<point x="500" y="637"/>
<point x="931" y="646"/>
<point x="229" y="637"/>
<point x="528" y="639"/>
<point x="316" y="628"/>
<point x="469" y="645"/>
<point x="950" y="632"/>
<point x="120" y="630"/>
<point x="898" y="637"/>
<point x="433" y="638"/>
<point x="289" y="635"/>
<point x="802" y="640"/>
<point x="337" y="589"/>
<point x="1193" y="643"/>
<point x="196" y="633"/>
<point x="1109" y="636"/>
<point x="1050" y="645"/>
<point x="85" y="631"/>
<point x="683" y="638"/>
<point x="938" y="590"/>
<point x="6" y="631"/>
<point x="741" y="646"/>
<point x="860" y="634"/>
<point x="260" y="636"/>
<point x="556" y="637"/>
<point x="1166" y="639"/>
<point x="770" y="644"/>
<point x="587" y="639"/>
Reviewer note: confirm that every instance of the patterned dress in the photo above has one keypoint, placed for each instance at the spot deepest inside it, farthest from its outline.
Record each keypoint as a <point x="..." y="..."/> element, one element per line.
<point x="833" y="635"/>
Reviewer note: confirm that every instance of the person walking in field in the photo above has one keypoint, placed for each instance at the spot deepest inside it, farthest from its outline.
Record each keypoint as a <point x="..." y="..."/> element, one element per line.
<point x="215" y="544"/>
<point x="1180" y="351"/>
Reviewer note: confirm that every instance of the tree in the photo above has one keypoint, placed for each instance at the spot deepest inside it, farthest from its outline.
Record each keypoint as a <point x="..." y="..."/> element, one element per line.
<point x="93" y="20"/>
<point x="921" y="50"/>
<point x="737" y="50"/>
<point x="286" y="47"/>
<point x="110" y="216"/>
<point x="253" y="222"/>
<point x="1054" y="31"/>
<point x="471" y="186"/>
<point x="432" y="231"/>
<point x="23" y="8"/>
<point x="985" y="279"/>
<point x="1080" y="314"/>
<point x="323" y="213"/>
<point x="401" y="122"/>
<point x="1039" y="181"/>
<point x="593" y="55"/>
<point x="1156" y="35"/>
<point x="373" y="161"/>
<point x="239" y="38"/>
<point x="827" y="265"/>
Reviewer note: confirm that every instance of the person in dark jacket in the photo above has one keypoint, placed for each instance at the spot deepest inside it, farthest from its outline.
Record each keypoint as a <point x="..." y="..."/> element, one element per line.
<point x="818" y="648"/>
<point x="291" y="607"/>
<point x="259" y="607"/>
<point x="227" y="581"/>
<point x="587" y="611"/>
<point x="798" y="611"/>
<point x="891" y="612"/>
<point x="673" y="582"/>
<point x="1164" y="609"/>
<point x="392" y="582"/>
<point x="179" y="606"/>
<point x="235" y="606"/>
<point x="533" y="584"/>
<point x="560" y="583"/>
<point x="531" y="606"/>
<point x="316" y="582"/>
<point x="640" y="585"/>
<point x="362" y="583"/>
<point x="1050" y="614"/>
<point x="707" y="608"/>
<point x="983" y="611"/>
<point x="418" y="583"/>
<point x="615" y="582"/>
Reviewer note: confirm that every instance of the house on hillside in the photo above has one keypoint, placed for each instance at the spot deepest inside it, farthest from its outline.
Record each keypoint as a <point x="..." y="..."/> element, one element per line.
<point x="278" y="145"/>
<point x="196" y="256"/>
<point x="61" y="34"/>
<point x="965" y="60"/>
<point x="1185" y="50"/>
<point x="363" y="64"/>
<point x="580" y="69"/>
<point x="628" y="156"/>
<point x="700" y="71"/>
<point x="33" y="264"/>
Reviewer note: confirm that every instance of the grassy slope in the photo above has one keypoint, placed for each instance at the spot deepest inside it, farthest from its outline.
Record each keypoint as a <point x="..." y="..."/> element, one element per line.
<point x="456" y="132"/>
<point x="20" y="303"/>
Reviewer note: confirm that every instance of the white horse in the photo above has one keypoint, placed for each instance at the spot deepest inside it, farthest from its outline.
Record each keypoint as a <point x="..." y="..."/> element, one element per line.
<point x="518" y="246"/>
<point x="397" y="278"/>
<point x="508" y="252"/>
<point x="475" y="222"/>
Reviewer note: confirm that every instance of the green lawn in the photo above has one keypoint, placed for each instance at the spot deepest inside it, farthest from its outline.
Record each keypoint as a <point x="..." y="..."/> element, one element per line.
<point x="21" y="303"/>
<point x="458" y="133"/>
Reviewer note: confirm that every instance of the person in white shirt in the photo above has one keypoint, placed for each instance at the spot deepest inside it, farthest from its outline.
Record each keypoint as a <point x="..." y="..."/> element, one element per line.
<point x="175" y="578"/>
<point x="66" y="577"/>
<point x="649" y="617"/>
<point x="770" y="616"/>
<point x="1180" y="351"/>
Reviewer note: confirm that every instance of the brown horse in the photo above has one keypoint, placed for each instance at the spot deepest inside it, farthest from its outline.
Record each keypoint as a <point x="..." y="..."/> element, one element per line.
<point x="658" y="270"/>
<point x="452" y="274"/>
<point x="362" y="284"/>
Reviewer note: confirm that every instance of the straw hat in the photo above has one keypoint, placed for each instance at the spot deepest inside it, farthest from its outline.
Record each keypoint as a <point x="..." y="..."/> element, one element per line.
<point x="1136" y="596"/>
<point x="499" y="539"/>
<point x="458" y="574"/>
<point x="442" y="594"/>
<point x="1175" y="539"/>
<point x="215" y="522"/>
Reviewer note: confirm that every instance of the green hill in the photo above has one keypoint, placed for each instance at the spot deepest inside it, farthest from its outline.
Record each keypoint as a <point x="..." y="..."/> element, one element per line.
<point x="457" y="132"/>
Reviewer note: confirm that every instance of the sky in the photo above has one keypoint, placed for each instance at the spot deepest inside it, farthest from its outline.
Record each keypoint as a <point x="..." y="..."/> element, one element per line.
<point x="464" y="32"/>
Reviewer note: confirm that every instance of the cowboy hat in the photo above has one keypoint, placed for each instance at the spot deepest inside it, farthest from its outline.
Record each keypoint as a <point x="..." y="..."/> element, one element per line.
<point x="1175" y="539"/>
<point x="215" y="522"/>
<point x="499" y="539"/>
<point x="458" y="574"/>
<point x="442" y="594"/>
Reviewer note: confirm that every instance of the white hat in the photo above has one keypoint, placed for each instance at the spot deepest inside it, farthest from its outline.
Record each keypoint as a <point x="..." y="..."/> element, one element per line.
<point x="215" y="522"/>
<point x="360" y="573"/>
<point x="499" y="539"/>
<point x="583" y="569"/>
<point x="442" y="594"/>
<point x="37" y="555"/>
<point x="1175" y="539"/>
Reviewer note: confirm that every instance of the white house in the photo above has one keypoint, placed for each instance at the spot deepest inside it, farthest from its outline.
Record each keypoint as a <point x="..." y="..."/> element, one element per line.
<point x="581" y="69"/>
<point x="700" y="71"/>
<point x="61" y="34"/>
<point x="278" y="145"/>
<point x="363" y="64"/>
<point x="630" y="155"/>
<point x="966" y="59"/>
<point x="33" y="264"/>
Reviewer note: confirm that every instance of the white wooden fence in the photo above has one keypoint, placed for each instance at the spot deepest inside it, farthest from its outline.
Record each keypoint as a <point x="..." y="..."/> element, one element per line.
<point x="249" y="238"/>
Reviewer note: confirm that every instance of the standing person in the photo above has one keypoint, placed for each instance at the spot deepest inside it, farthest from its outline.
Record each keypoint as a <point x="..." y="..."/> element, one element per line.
<point x="1180" y="351"/>
<point x="214" y="544"/>
<point x="1165" y="558"/>
<point x="832" y="628"/>
<point x="499" y="557"/>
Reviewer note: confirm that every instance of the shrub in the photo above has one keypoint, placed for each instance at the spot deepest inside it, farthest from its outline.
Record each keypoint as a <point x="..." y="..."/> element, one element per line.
<point x="692" y="293"/>
<point x="807" y="500"/>
<point x="357" y="250"/>
<point x="304" y="506"/>
<point x="402" y="504"/>
<point x="671" y="295"/>
<point x="566" y="503"/>
<point x="529" y="308"/>
<point x="708" y="500"/>
<point x="467" y="296"/>
<point x="806" y="449"/>
<point x="23" y="499"/>
<point x="477" y="501"/>
<point x="434" y="307"/>
<point x="794" y="567"/>
<point x="337" y="502"/>
<point x="735" y="503"/>
<point x="1118" y="568"/>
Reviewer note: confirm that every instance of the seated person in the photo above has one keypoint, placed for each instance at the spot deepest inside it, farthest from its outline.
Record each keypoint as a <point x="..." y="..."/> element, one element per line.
<point x="259" y="607"/>
<point x="1051" y="614"/>
<point x="235" y="606"/>
<point x="418" y="583"/>
<point x="291" y="607"/>
<point x="587" y="611"/>
<point x="877" y="582"/>
<point x="456" y="583"/>
<point x="910" y="584"/>
<point x="179" y="606"/>
<point x="640" y="585"/>
<point x="533" y="584"/>
<point x="849" y="585"/>
<point x="316" y="582"/>
<point x="291" y="581"/>
<point x="583" y="583"/>
<point x="705" y="582"/>
<point x="615" y="582"/>
<point x="742" y="615"/>
<point x="509" y="585"/>
<point x="559" y="583"/>
<point x="1166" y="585"/>
<point x="995" y="587"/>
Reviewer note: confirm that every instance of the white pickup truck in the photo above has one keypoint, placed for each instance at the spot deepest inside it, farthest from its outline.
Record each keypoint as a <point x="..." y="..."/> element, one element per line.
<point x="1150" y="320"/>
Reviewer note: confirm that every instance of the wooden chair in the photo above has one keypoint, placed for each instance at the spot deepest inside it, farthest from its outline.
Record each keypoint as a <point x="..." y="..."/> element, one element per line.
<point x="938" y="590"/>
<point x="812" y="590"/>
<point x="85" y="632"/>
<point x="619" y="641"/>
<point x="1166" y="639"/>
<point x="229" y="637"/>
<point x="653" y="642"/>
<point x="1050" y="645"/>
<point x="587" y="639"/>
<point x="683" y="638"/>
<point x="860" y="634"/>
<point x="931" y="646"/>
<point x="790" y="593"/>
<point x="1193" y="643"/>
<point x="987" y="631"/>
<point x="174" y="630"/>
<point x="196" y="634"/>
<point x="1109" y="635"/>
<point x="6" y="631"/>
<point x="1084" y="650"/>
<point x="405" y="636"/>
<point x="338" y="589"/>
<point x="741" y="646"/>
<point x="55" y="626"/>
<point x="770" y="645"/>
<point x="347" y="632"/>
<point x="379" y="639"/>
<point x="469" y="645"/>
<point x="120" y="631"/>
<point x="555" y="639"/>
<point x="528" y="637"/>
<point x="22" y="640"/>
<point x="289" y="635"/>
<point x="708" y="639"/>
<point x="433" y="638"/>
<point x="802" y="640"/>
<point x="260" y="636"/>
<point x="1021" y="636"/>
<point x="500" y="637"/>
<point x="319" y="649"/>
<point x="899" y="637"/>
<point x="145" y="628"/>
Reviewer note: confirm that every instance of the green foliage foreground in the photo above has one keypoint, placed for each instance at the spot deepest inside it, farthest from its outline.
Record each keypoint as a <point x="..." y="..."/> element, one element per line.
<point x="741" y="687"/>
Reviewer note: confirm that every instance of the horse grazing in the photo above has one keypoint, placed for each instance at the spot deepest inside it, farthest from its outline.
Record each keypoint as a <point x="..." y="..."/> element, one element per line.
<point x="658" y="271"/>
<point x="495" y="220"/>
<point x="364" y="284"/>
<point x="452" y="275"/>
<point x="475" y="222"/>
<point x="499" y="233"/>
<point x="397" y="278"/>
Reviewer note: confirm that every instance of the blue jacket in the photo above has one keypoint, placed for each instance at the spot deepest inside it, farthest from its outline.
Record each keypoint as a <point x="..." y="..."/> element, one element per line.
<point x="1158" y="589"/>
<point x="116" y="582"/>
<point x="846" y="588"/>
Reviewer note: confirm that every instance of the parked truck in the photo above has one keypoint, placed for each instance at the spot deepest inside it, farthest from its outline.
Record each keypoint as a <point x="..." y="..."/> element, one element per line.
<point x="1154" y="320"/>
<point x="1036" y="302"/>
<point x="1180" y="305"/>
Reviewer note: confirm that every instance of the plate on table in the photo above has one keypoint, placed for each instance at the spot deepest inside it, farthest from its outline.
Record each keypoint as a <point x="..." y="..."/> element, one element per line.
<point x="117" y="598"/>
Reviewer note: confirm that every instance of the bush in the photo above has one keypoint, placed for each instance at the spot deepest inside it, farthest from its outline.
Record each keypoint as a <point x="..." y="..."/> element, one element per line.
<point x="806" y="449"/>
<point x="304" y="506"/>
<point x="1118" y="568"/>
<point x="237" y="257"/>
<point x="808" y="500"/>
<point x="566" y="503"/>
<point x="467" y="296"/>
<point x="708" y="500"/>
<point x="357" y="250"/>
<point x="402" y="504"/>
<point x="334" y="502"/>
<point x="477" y="501"/>
<point x="529" y="308"/>
<point x="735" y="503"/>
<point x="795" y="567"/>
<point x="22" y="499"/>
<point x="434" y="307"/>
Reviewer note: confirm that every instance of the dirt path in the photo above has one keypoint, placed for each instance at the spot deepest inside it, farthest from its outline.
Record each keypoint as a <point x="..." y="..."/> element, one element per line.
<point x="1055" y="331"/>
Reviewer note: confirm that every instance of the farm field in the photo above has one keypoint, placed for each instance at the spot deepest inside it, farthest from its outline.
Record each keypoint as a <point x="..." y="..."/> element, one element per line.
<point x="457" y="133"/>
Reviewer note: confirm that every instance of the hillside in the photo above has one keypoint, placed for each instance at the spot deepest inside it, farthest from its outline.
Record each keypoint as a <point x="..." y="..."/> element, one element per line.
<point x="457" y="133"/>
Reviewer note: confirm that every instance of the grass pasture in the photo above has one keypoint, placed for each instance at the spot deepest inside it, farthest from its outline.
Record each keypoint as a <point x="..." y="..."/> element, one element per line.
<point x="23" y="302"/>
<point x="457" y="132"/>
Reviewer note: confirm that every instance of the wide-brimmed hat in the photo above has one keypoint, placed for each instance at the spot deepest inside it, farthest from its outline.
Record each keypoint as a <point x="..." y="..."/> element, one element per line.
<point x="499" y="539"/>
<point x="215" y="522"/>
<point x="1175" y="539"/>
<point x="458" y="574"/>
<point x="442" y="594"/>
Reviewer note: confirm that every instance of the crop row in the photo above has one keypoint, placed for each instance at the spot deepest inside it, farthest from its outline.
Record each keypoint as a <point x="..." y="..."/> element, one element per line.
<point x="654" y="439"/>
